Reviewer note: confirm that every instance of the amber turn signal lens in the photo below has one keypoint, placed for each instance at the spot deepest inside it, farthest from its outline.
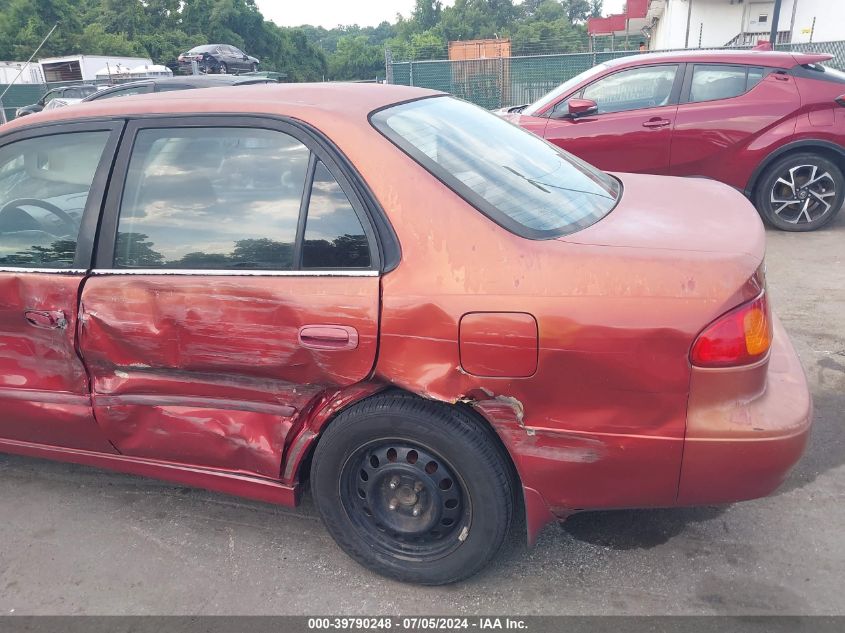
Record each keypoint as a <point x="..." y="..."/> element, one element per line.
<point x="740" y="337"/>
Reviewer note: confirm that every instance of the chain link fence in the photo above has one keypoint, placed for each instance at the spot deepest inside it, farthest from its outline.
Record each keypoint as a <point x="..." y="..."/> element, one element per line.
<point x="506" y="81"/>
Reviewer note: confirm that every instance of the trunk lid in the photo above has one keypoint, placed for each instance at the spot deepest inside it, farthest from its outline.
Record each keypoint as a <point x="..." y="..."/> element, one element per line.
<point x="683" y="214"/>
<point x="705" y="237"/>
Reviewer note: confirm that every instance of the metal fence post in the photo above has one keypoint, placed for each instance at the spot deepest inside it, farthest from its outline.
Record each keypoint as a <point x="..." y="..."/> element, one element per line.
<point x="501" y="82"/>
<point x="388" y="65"/>
<point x="411" y="73"/>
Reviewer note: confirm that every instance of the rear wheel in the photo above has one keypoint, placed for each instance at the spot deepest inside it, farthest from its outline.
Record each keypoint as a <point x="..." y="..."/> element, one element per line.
<point x="223" y="68"/>
<point x="413" y="489"/>
<point x="255" y="68"/>
<point x="800" y="192"/>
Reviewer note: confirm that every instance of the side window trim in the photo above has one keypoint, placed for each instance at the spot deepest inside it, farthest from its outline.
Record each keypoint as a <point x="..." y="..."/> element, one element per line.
<point x="103" y="260"/>
<point x="303" y="212"/>
<point x="88" y="227"/>
<point x="674" y="94"/>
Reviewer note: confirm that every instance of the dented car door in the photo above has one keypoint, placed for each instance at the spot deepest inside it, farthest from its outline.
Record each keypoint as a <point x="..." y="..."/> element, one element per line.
<point x="235" y="280"/>
<point x="52" y="179"/>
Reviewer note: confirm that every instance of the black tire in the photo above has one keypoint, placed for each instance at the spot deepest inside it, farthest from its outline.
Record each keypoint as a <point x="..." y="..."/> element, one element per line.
<point x="362" y="478"/>
<point x="800" y="192"/>
<point x="255" y="68"/>
<point x="223" y="69"/>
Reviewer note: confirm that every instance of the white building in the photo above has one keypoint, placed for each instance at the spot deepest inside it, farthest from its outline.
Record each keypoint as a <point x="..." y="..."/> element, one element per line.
<point x="707" y="23"/>
<point x="669" y="24"/>
<point x="9" y="71"/>
<point x="85" y="67"/>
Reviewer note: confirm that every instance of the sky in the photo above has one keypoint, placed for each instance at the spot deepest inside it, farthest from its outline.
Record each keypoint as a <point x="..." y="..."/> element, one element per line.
<point x="330" y="13"/>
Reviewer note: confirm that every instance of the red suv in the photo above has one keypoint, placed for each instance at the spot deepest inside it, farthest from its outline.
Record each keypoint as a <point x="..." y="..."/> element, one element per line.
<point x="770" y="124"/>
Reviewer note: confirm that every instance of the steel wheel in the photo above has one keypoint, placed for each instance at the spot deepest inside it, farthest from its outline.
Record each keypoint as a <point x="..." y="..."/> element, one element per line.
<point x="404" y="500"/>
<point x="223" y="69"/>
<point x="413" y="489"/>
<point x="803" y="194"/>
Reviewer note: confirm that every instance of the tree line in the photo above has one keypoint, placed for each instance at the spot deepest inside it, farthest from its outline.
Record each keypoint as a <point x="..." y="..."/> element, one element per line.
<point x="162" y="29"/>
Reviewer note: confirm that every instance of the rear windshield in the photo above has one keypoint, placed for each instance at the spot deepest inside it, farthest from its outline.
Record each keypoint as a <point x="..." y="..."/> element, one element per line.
<point x="826" y="72"/>
<point x="517" y="179"/>
<point x="203" y="49"/>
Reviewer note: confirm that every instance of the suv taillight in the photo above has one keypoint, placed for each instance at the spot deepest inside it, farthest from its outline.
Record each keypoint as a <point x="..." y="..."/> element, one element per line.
<point x="740" y="337"/>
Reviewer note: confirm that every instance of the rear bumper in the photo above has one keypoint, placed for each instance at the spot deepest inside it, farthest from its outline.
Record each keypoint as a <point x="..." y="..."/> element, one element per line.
<point x="743" y="448"/>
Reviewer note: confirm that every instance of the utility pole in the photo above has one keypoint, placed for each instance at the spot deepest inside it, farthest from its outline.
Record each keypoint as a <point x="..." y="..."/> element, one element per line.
<point x="775" y="19"/>
<point x="689" y="18"/>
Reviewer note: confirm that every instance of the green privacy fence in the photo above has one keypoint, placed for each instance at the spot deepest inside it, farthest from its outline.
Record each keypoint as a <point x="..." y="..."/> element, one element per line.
<point x="20" y="95"/>
<point x="499" y="82"/>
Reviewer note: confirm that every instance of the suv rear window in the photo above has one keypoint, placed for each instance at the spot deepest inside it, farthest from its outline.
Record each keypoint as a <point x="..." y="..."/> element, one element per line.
<point x="819" y="71"/>
<point x="517" y="179"/>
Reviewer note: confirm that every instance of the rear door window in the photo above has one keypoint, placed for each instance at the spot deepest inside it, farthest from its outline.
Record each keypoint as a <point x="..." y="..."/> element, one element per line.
<point x="223" y="198"/>
<point x="44" y="187"/>
<point x="711" y="82"/>
<point x="235" y="199"/>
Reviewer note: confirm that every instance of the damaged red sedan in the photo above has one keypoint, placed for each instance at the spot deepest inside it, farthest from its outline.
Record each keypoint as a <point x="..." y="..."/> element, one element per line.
<point x="437" y="319"/>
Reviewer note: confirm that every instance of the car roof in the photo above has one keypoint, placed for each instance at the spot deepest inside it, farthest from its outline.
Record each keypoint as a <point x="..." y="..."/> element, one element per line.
<point x="195" y="81"/>
<point x="331" y="107"/>
<point x="773" y="59"/>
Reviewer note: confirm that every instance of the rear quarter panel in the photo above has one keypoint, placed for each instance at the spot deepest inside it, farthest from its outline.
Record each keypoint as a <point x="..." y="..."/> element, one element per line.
<point x="727" y="139"/>
<point x="606" y="407"/>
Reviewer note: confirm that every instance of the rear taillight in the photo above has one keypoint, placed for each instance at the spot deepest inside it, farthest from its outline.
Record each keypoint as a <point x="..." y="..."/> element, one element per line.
<point x="740" y="337"/>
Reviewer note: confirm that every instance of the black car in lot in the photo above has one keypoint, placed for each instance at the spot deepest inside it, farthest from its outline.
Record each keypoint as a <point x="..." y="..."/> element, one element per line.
<point x="168" y="84"/>
<point x="218" y="58"/>
<point x="65" y="92"/>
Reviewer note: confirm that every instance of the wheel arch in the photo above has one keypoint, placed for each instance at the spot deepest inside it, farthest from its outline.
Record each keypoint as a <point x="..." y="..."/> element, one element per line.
<point x="828" y="149"/>
<point x="297" y="462"/>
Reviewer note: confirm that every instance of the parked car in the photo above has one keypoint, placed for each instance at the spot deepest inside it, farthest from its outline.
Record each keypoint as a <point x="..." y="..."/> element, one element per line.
<point x="434" y="316"/>
<point x="218" y="58"/>
<point x="64" y="92"/>
<point x="770" y="124"/>
<point x="62" y="102"/>
<point x="169" y="84"/>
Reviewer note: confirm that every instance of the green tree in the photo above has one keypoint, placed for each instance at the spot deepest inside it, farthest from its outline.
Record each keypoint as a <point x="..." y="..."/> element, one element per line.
<point x="356" y="58"/>
<point x="578" y="10"/>
<point x="426" y="14"/>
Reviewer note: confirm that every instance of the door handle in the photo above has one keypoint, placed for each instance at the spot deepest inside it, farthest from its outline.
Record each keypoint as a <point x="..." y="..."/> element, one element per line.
<point x="652" y="123"/>
<point x="46" y="319"/>
<point x="328" y="337"/>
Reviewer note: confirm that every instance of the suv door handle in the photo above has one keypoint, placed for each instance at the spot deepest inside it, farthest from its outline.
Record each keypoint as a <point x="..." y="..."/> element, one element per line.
<point x="328" y="337"/>
<point x="651" y="123"/>
<point x="46" y="319"/>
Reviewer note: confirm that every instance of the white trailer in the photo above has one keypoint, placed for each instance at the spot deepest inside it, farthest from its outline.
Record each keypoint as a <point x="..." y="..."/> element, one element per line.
<point x="9" y="71"/>
<point x="85" y="67"/>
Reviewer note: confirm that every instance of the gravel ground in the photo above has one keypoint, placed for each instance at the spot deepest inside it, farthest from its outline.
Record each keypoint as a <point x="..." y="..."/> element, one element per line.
<point x="74" y="540"/>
